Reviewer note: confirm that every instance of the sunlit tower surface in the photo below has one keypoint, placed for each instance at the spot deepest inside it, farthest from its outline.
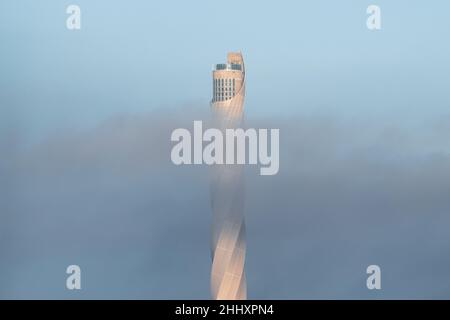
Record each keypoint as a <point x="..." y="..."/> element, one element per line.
<point x="227" y="190"/>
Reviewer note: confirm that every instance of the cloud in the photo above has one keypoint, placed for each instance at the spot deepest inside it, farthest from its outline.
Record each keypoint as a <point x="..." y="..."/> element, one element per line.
<point x="348" y="194"/>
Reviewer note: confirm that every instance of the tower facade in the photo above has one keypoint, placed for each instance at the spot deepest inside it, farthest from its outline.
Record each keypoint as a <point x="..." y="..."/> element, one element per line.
<point x="229" y="90"/>
<point x="227" y="187"/>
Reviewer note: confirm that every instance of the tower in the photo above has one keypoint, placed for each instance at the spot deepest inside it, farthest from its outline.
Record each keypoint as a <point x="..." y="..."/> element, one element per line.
<point x="229" y="90"/>
<point x="227" y="189"/>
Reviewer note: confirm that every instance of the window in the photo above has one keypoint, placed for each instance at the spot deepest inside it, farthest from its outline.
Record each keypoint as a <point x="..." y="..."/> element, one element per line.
<point x="235" y="66"/>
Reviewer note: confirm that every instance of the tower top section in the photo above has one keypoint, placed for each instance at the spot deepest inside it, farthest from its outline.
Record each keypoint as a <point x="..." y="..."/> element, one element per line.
<point x="228" y="78"/>
<point x="235" y="62"/>
<point x="235" y="57"/>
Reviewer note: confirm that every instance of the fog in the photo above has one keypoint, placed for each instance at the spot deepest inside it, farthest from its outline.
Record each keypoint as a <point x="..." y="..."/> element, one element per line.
<point x="349" y="193"/>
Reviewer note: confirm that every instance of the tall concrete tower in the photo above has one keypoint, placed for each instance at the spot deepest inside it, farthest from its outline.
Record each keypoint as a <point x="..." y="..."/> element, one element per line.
<point x="227" y="188"/>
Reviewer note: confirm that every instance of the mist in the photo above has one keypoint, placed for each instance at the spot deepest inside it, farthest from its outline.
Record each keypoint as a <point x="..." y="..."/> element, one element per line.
<point x="349" y="193"/>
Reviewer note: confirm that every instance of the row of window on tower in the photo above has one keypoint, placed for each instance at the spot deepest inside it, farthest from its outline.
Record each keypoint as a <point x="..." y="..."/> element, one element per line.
<point x="224" y="89"/>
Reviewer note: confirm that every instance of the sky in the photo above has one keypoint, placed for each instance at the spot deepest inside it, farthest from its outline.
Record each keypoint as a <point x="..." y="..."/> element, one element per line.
<point x="301" y="57"/>
<point x="85" y="123"/>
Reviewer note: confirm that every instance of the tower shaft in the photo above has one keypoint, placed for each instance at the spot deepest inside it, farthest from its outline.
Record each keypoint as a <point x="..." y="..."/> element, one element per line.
<point x="227" y="188"/>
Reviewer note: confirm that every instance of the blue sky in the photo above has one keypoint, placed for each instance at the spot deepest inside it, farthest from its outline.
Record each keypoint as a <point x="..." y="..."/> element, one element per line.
<point x="302" y="57"/>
